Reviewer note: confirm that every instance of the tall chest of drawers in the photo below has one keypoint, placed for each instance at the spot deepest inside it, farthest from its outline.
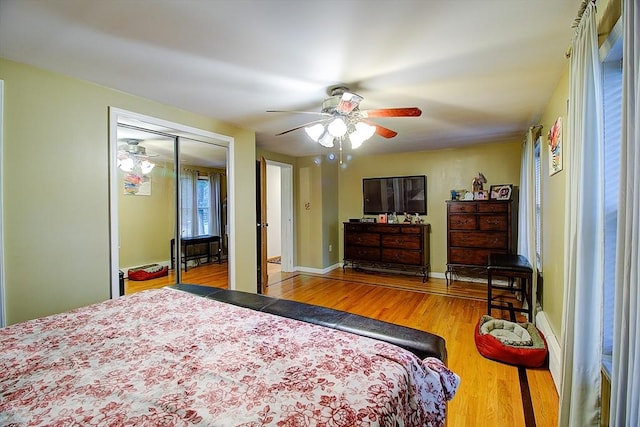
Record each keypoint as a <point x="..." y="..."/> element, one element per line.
<point x="387" y="246"/>
<point x="476" y="229"/>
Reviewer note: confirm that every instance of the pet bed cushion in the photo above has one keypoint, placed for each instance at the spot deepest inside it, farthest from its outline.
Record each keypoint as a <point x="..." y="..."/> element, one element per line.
<point x="147" y="272"/>
<point x="520" y="344"/>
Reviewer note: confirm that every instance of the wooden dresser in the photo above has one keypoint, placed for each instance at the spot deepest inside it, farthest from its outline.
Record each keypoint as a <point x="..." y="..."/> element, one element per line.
<point x="387" y="246"/>
<point x="476" y="229"/>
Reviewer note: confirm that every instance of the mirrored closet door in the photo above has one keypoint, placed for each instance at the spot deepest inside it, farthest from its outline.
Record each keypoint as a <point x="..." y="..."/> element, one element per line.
<point x="170" y="190"/>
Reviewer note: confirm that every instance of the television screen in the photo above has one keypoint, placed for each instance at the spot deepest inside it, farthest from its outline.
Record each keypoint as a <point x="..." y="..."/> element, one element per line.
<point x="395" y="194"/>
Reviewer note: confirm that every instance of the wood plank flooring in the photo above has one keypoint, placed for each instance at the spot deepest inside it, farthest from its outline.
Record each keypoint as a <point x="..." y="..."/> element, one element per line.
<point x="489" y="393"/>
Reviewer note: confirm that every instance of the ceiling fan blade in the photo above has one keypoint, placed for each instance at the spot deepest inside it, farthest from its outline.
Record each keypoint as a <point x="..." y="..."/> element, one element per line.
<point x="315" y="113"/>
<point x="348" y="102"/>
<point x="392" y="112"/>
<point x="381" y="130"/>
<point x="302" y="126"/>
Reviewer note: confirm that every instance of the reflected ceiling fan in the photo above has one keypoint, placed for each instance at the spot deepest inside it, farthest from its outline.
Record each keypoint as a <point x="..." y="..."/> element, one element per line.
<point x="341" y="117"/>
<point x="133" y="157"/>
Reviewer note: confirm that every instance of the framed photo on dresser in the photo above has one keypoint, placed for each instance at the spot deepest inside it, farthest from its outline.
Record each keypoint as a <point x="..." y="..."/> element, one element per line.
<point x="501" y="192"/>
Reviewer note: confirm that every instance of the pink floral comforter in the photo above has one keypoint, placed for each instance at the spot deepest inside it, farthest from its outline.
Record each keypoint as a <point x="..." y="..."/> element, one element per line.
<point x="166" y="357"/>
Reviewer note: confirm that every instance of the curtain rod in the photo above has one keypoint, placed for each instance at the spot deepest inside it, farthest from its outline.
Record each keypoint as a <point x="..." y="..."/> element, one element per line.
<point x="576" y="22"/>
<point x="583" y="7"/>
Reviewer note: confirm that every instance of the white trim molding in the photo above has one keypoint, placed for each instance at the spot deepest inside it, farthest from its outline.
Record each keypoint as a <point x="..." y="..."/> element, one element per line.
<point x="3" y="312"/>
<point x="555" y="353"/>
<point x="318" y="270"/>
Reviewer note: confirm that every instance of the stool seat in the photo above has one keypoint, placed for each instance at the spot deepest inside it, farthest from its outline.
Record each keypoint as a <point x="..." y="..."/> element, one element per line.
<point x="509" y="262"/>
<point x="511" y="266"/>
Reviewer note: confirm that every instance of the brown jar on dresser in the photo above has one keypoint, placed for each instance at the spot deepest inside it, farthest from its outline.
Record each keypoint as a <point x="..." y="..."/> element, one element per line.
<point x="476" y="229"/>
<point x="387" y="246"/>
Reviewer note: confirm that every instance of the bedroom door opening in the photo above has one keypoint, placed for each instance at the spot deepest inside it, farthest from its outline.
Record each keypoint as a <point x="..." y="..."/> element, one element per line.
<point x="279" y="206"/>
<point x="274" y="208"/>
<point x="153" y="209"/>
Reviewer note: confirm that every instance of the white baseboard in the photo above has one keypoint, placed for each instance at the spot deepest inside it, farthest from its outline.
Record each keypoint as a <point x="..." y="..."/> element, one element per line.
<point x="317" y="270"/>
<point x="555" y="354"/>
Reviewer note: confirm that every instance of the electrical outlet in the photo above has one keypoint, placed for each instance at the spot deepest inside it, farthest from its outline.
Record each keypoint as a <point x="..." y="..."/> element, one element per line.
<point x="330" y="248"/>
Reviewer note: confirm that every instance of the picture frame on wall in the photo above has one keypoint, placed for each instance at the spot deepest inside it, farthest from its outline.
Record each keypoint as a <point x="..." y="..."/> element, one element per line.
<point x="554" y="139"/>
<point x="501" y="192"/>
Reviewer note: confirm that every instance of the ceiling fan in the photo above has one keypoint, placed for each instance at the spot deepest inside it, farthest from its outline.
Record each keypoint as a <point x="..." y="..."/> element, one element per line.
<point x="132" y="157"/>
<point x="341" y="115"/>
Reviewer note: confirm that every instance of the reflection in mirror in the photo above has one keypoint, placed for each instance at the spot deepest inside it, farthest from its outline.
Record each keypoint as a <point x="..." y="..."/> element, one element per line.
<point x="146" y="207"/>
<point x="150" y="219"/>
<point x="203" y="212"/>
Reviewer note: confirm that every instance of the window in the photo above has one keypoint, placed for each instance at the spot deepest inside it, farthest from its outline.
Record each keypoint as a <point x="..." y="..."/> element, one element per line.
<point x="612" y="99"/>
<point x="204" y="205"/>
<point x="195" y="204"/>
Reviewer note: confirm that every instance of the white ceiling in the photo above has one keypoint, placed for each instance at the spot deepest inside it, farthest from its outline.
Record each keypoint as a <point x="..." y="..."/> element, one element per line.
<point x="480" y="70"/>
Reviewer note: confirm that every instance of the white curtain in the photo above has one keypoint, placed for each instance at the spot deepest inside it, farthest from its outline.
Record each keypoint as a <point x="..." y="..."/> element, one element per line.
<point x="584" y="233"/>
<point x="215" y="210"/>
<point x="625" y="382"/>
<point x="188" y="203"/>
<point x="527" y="210"/>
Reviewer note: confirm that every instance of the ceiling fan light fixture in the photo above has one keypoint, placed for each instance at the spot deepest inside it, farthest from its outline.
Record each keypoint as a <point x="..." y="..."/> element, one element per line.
<point x="125" y="164"/>
<point x="361" y="134"/>
<point x="326" y="140"/>
<point x="315" y="131"/>
<point x="131" y="158"/>
<point x="337" y="128"/>
<point x="146" y="167"/>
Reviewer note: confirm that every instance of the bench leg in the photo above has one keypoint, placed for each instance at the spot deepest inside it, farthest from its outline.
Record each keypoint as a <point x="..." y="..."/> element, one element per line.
<point x="489" y="289"/>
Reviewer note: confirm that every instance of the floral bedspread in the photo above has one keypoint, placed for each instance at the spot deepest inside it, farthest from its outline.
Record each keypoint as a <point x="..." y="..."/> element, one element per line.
<point x="166" y="357"/>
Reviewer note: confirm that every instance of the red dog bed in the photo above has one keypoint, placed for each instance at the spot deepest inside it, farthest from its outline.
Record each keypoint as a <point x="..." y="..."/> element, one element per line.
<point x="147" y="272"/>
<point x="520" y="344"/>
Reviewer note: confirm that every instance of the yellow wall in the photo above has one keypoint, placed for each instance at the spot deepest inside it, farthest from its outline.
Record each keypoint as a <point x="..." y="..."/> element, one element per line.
<point x="551" y="290"/>
<point x="445" y="170"/>
<point x="147" y="223"/>
<point x="308" y="204"/>
<point x="56" y="189"/>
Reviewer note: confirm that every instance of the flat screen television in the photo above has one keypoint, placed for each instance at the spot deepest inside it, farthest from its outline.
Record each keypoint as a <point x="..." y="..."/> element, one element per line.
<point x="395" y="194"/>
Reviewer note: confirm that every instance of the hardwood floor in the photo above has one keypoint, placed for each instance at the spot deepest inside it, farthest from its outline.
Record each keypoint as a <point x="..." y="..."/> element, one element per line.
<point x="489" y="394"/>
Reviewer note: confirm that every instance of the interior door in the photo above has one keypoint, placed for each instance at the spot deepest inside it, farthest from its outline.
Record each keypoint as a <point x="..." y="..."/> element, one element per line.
<point x="263" y="274"/>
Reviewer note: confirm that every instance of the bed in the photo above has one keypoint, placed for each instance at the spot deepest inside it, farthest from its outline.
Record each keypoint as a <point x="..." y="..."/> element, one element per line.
<point x="176" y="356"/>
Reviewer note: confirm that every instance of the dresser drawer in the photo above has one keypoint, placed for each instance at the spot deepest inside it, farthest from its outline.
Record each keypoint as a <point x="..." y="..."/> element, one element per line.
<point x="364" y="253"/>
<point x="401" y="257"/>
<point x="363" y="239"/>
<point x="411" y="229"/>
<point x="493" y="222"/>
<point x="463" y="222"/>
<point x="492" y="207"/>
<point x="478" y="257"/>
<point x="469" y="207"/>
<point x="477" y="239"/>
<point x="402" y="241"/>
<point x="386" y="228"/>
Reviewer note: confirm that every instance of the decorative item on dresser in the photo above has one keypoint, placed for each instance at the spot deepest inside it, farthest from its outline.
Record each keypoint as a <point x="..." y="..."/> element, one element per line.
<point x="387" y="246"/>
<point x="476" y="229"/>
